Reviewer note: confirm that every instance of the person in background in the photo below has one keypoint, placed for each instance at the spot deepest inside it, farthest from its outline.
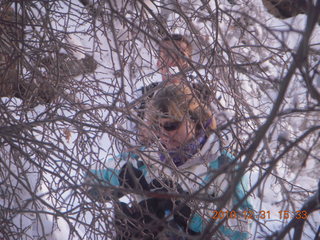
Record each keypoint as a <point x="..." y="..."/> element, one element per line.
<point x="179" y="180"/>
<point x="174" y="53"/>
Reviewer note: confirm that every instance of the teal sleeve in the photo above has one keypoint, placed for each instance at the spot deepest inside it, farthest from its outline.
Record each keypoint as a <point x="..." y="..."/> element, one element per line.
<point x="241" y="188"/>
<point x="197" y="223"/>
<point x="232" y="234"/>
<point x="107" y="176"/>
<point x="110" y="176"/>
<point x="241" y="191"/>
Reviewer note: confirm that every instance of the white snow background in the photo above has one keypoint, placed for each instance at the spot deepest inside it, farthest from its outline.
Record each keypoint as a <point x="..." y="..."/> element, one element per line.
<point x="269" y="196"/>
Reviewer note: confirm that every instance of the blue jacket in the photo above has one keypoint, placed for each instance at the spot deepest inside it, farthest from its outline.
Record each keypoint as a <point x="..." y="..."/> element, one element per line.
<point x="208" y="174"/>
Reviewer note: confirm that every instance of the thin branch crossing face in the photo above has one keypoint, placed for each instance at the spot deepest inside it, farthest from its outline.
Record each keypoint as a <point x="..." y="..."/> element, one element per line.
<point x="159" y="119"/>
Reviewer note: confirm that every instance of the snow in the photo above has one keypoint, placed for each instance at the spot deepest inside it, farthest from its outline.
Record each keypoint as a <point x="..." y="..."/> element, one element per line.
<point x="268" y="197"/>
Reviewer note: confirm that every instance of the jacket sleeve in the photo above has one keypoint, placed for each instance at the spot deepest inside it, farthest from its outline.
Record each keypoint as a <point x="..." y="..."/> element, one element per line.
<point x="242" y="187"/>
<point x="239" y="227"/>
<point x="232" y="229"/>
<point x="112" y="182"/>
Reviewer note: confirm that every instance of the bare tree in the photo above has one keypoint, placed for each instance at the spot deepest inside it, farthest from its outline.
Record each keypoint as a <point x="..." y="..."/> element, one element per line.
<point x="69" y="76"/>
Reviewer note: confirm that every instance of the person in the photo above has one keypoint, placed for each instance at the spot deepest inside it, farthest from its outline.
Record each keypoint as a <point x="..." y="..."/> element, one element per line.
<point x="175" y="52"/>
<point x="179" y="180"/>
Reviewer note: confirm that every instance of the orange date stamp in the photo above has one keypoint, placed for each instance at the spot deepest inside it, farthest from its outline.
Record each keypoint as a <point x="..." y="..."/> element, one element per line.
<point x="250" y="214"/>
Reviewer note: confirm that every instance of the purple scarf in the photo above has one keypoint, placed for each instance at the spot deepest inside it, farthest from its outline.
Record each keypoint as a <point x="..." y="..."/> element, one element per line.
<point x="181" y="155"/>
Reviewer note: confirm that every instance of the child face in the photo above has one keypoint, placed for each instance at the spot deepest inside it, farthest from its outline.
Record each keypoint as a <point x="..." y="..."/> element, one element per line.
<point x="173" y="134"/>
<point x="169" y="56"/>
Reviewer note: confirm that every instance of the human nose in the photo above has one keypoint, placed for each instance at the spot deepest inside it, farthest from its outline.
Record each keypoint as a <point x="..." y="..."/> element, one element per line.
<point x="165" y="137"/>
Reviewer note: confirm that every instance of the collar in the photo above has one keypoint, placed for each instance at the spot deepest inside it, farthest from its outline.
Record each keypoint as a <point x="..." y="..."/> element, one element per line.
<point x="194" y="152"/>
<point x="209" y="151"/>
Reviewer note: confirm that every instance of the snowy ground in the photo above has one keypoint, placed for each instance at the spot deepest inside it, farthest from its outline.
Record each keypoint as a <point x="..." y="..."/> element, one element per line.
<point x="269" y="197"/>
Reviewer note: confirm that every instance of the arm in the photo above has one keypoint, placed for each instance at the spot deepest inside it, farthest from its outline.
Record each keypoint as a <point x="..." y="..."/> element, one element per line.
<point x="239" y="227"/>
<point x="232" y="228"/>
<point x="112" y="182"/>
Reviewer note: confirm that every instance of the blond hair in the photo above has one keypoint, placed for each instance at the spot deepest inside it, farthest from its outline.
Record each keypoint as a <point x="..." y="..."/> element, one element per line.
<point x="179" y="102"/>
